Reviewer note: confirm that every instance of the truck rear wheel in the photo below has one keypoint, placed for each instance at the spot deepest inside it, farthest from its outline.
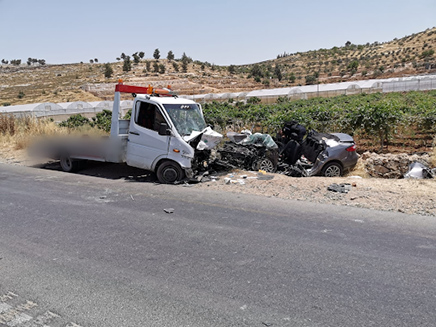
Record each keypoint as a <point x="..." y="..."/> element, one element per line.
<point x="169" y="173"/>
<point x="67" y="164"/>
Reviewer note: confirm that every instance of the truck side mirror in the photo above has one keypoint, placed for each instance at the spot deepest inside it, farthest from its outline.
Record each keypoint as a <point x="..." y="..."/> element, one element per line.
<point x="163" y="129"/>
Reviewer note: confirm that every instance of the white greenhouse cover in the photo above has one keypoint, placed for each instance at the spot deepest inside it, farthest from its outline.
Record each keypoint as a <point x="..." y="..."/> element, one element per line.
<point x="425" y="82"/>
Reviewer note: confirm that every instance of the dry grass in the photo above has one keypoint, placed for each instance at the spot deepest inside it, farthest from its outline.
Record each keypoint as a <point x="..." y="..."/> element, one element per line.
<point x="19" y="133"/>
<point x="359" y="170"/>
<point x="7" y="124"/>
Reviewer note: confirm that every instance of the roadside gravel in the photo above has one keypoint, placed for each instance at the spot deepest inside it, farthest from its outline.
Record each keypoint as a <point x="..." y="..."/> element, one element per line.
<point x="410" y="196"/>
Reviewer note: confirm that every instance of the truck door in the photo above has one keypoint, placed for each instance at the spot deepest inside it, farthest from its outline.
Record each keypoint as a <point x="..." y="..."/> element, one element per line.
<point x="145" y="145"/>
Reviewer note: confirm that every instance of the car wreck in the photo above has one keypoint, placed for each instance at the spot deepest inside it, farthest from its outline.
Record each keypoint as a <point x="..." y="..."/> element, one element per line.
<point x="294" y="152"/>
<point x="248" y="151"/>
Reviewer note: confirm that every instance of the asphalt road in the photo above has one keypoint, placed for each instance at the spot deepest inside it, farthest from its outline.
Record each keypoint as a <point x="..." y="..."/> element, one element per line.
<point x="86" y="250"/>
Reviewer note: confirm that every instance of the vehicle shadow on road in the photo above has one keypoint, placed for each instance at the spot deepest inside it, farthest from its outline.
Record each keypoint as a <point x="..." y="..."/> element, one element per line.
<point x="107" y="170"/>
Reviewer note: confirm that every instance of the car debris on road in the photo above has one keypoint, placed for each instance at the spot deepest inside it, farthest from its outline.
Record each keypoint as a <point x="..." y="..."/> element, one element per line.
<point x="419" y="171"/>
<point x="340" y="188"/>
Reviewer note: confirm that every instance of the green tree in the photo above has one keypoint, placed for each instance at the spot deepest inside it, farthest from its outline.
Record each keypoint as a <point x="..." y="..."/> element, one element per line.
<point x="162" y="69"/>
<point x="352" y="66"/>
<point x="108" y="71"/>
<point x="127" y="66"/>
<point x="156" y="54"/>
<point x="186" y="58"/>
<point x="427" y="53"/>
<point x="278" y="72"/>
<point x="156" y="67"/>
<point x="185" y="61"/>
<point x="184" y="66"/>
<point x="141" y="54"/>
<point x="256" y="71"/>
<point x="231" y="69"/>
<point x="176" y="67"/>
<point x="170" y="55"/>
<point x="136" y="58"/>
<point x="310" y="79"/>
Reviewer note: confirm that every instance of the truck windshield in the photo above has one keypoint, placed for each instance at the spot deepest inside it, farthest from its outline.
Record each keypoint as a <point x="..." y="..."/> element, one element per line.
<point x="186" y="118"/>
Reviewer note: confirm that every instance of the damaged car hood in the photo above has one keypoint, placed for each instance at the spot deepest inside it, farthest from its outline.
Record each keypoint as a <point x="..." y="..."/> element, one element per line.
<point x="206" y="139"/>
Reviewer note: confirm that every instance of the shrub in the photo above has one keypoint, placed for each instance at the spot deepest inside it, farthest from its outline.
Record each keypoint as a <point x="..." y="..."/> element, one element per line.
<point x="75" y="121"/>
<point x="427" y="53"/>
<point x="253" y="100"/>
<point x="103" y="120"/>
<point x="108" y="71"/>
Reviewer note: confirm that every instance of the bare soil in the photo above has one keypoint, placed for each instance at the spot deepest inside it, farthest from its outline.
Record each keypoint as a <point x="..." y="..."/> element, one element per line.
<point x="404" y="196"/>
<point x="409" y="196"/>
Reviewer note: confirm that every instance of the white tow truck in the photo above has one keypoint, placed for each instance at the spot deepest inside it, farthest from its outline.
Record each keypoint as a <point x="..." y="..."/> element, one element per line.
<point x="166" y="134"/>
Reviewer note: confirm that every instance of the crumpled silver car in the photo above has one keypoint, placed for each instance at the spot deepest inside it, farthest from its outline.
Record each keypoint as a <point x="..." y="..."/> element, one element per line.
<point x="337" y="156"/>
<point x="315" y="154"/>
<point x="292" y="152"/>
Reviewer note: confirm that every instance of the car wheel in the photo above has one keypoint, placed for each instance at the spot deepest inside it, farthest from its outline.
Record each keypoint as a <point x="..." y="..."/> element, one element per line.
<point x="332" y="169"/>
<point x="169" y="173"/>
<point x="264" y="164"/>
<point x="67" y="164"/>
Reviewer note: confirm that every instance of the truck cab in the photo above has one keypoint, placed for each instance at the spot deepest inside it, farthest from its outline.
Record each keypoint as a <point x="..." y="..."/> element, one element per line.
<point x="164" y="136"/>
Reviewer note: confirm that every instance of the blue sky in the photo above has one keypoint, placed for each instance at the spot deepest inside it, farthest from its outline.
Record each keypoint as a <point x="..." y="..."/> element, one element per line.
<point x="221" y="32"/>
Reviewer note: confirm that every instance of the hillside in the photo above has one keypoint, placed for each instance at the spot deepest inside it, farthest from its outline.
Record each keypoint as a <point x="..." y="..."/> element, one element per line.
<point x="410" y="55"/>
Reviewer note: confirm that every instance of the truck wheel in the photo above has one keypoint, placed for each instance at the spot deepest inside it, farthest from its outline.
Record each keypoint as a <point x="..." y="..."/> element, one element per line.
<point x="332" y="169"/>
<point x="169" y="173"/>
<point x="67" y="164"/>
<point x="264" y="164"/>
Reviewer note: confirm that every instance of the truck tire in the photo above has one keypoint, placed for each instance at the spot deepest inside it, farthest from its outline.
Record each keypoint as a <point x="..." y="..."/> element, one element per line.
<point x="67" y="164"/>
<point x="332" y="169"/>
<point x="169" y="173"/>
